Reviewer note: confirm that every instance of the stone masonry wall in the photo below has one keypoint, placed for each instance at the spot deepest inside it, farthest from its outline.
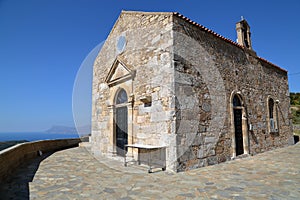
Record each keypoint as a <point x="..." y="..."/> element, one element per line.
<point x="208" y="70"/>
<point x="148" y="51"/>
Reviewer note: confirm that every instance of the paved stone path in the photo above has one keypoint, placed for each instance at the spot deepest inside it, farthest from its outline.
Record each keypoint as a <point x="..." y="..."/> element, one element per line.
<point x="76" y="174"/>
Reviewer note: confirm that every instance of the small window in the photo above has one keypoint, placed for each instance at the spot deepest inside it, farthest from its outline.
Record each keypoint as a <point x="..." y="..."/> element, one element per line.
<point x="122" y="97"/>
<point x="121" y="44"/>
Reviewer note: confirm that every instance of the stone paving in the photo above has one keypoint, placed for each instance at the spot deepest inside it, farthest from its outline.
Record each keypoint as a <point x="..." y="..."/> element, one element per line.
<point x="76" y="174"/>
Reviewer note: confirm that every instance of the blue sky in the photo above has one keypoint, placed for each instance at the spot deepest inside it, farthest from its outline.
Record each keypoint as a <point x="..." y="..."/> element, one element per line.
<point x="44" y="42"/>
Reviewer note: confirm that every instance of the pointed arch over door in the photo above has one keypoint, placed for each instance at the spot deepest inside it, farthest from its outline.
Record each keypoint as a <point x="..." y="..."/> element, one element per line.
<point x="121" y="122"/>
<point x="239" y="125"/>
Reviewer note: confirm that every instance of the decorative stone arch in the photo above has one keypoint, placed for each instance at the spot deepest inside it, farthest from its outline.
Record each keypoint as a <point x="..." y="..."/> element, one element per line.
<point x="239" y="125"/>
<point x="272" y="113"/>
<point x="115" y="108"/>
<point x="114" y="91"/>
<point x="120" y="78"/>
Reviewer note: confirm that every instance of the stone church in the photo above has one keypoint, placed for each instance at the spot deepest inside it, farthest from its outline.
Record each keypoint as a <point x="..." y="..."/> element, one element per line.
<point x="164" y="80"/>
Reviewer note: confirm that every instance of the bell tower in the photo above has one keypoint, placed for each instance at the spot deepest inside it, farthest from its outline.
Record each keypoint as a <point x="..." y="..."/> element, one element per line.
<point x="244" y="34"/>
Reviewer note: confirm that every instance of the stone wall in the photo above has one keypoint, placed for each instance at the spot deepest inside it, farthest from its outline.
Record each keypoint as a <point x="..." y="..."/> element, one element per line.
<point x="147" y="53"/>
<point x="208" y="71"/>
<point x="12" y="157"/>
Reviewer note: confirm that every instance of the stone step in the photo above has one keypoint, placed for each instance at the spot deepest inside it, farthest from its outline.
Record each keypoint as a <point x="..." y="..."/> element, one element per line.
<point x="242" y="156"/>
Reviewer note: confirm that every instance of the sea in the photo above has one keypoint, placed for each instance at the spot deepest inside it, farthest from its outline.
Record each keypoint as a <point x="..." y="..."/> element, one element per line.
<point x="34" y="136"/>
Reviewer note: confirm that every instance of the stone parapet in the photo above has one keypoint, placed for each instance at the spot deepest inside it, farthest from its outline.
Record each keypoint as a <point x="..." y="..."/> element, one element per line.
<point x="12" y="157"/>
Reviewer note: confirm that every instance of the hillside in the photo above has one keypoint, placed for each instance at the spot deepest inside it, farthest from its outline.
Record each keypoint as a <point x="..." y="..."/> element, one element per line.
<point x="61" y="130"/>
<point x="83" y="130"/>
<point x="295" y="107"/>
<point x="296" y="114"/>
<point x="295" y="99"/>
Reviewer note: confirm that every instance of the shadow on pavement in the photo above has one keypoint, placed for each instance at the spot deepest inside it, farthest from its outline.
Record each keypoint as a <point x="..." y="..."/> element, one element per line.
<point x="17" y="186"/>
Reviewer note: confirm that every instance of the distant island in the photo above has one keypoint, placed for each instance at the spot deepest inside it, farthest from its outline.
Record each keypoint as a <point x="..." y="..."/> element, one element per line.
<point x="55" y="132"/>
<point x="84" y="130"/>
<point x="62" y="130"/>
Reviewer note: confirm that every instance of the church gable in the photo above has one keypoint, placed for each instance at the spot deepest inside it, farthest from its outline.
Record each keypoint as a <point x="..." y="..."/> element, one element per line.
<point x="119" y="73"/>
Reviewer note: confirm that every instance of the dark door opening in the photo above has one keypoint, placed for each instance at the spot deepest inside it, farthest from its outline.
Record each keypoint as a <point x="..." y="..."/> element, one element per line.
<point x="121" y="130"/>
<point x="238" y="132"/>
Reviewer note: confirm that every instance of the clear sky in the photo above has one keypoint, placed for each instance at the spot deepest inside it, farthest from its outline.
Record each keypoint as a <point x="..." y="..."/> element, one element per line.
<point x="44" y="42"/>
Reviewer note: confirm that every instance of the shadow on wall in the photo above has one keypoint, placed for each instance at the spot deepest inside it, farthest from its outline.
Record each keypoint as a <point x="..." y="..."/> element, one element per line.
<point x="17" y="186"/>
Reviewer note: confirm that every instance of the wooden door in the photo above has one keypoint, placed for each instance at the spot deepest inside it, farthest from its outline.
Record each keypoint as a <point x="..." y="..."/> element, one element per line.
<point x="238" y="131"/>
<point x="121" y="130"/>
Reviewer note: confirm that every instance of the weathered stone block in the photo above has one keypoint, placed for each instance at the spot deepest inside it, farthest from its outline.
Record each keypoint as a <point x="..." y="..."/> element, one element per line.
<point x="212" y="160"/>
<point x="158" y="116"/>
<point x="210" y="140"/>
<point x="140" y="119"/>
<point x="206" y="107"/>
<point x="219" y="149"/>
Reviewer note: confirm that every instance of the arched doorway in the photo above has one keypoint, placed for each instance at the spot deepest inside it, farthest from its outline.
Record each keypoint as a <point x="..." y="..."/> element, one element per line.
<point x="238" y="125"/>
<point x="121" y="122"/>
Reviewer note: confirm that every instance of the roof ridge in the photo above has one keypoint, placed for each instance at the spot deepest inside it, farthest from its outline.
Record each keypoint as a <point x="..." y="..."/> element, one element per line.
<point x="207" y="29"/>
<point x="222" y="37"/>
<point x="145" y="12"/>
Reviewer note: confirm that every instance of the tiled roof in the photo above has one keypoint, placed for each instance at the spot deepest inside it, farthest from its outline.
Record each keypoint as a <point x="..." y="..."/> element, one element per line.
<point x="223" y="38"/>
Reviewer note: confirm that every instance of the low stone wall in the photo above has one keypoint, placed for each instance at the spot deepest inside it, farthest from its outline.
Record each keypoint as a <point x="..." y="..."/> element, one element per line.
<point x="12" y="157"/>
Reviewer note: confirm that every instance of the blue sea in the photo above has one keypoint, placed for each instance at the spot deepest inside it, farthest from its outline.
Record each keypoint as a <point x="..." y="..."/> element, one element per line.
<point x="33" y="136"/>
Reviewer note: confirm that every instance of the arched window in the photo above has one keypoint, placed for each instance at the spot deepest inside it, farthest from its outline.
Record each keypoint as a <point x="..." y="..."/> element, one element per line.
<point x="122" y="97"/>
<point x="272" y="116"/>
